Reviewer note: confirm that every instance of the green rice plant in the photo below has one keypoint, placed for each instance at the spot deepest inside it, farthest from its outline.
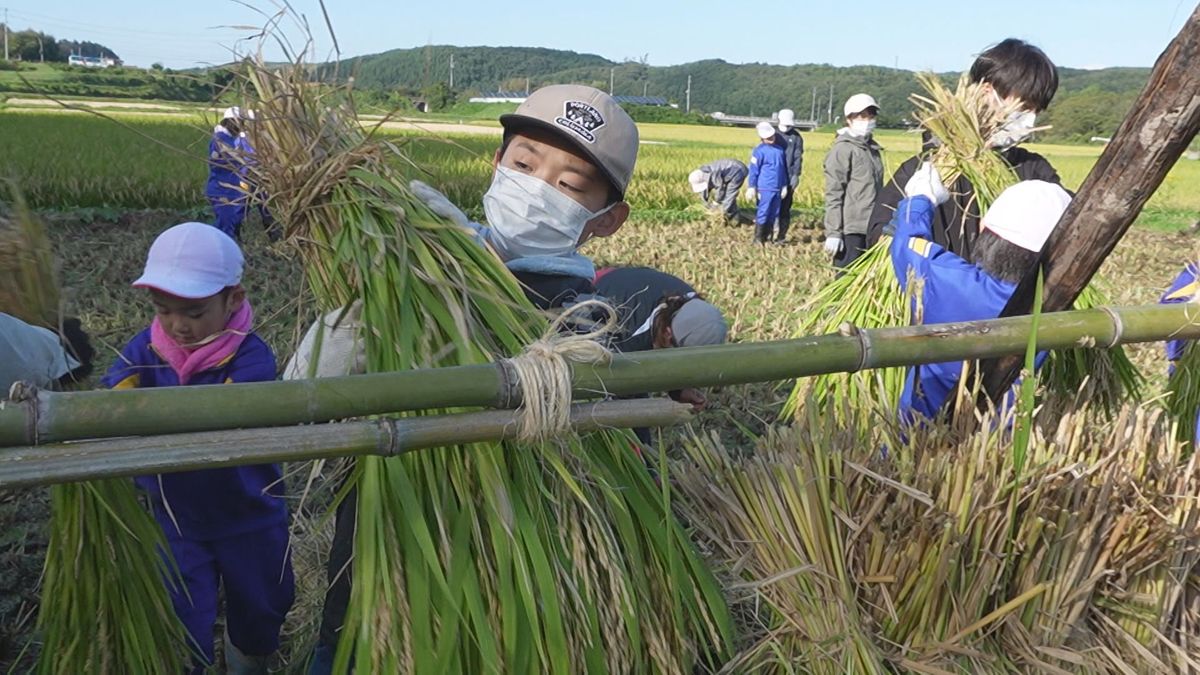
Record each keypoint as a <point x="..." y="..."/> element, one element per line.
<point x="1105" y="378"/>
<point x="1183" y="393"/>
<point x="558" y="557"/>
<point x="28" y="270"/>
<point x="105" y="607"/>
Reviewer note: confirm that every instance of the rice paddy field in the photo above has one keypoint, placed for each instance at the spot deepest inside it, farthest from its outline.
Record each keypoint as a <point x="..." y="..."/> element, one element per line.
<point x="109" y="185"/>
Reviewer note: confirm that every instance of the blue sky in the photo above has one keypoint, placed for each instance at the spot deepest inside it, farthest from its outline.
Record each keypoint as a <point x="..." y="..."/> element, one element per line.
<point x="943" y="35"/>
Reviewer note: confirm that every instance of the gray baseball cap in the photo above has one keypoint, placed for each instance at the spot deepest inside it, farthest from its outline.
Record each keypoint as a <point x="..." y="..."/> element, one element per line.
<point x="698" y="323"/>
<point x="590" y="119"/>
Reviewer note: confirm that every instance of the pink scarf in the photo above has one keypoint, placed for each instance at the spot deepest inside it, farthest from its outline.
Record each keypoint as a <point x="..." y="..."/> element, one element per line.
<point x="187" y="363"/>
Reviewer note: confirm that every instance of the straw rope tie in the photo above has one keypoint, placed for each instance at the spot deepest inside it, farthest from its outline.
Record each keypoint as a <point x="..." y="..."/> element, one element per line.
<point x="543" y="371"/>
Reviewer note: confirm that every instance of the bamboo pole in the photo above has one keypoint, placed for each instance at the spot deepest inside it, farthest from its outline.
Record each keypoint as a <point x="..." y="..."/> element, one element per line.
<point x="88" y="460"/>
<point x="1163" y="121"/>
<point x="53" y="417"/>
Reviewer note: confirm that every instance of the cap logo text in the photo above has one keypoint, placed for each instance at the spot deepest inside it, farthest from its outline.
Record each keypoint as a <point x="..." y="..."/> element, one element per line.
<point x="581" y="118"/>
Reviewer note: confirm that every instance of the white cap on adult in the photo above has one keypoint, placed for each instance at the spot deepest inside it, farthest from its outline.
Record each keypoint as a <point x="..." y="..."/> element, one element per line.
<point x="1026" y="213"/>
<point x="787" y="119"/>
<point x="698" y="180"/>
<point x="765" y="130"/>
<point x="858" y="103"/>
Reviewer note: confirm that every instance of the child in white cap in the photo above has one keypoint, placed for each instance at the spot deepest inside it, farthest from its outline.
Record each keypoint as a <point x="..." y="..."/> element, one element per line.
<point x="226" y="527"/>
<point x="1011" y="237"/>
<point x="768" y="181"/>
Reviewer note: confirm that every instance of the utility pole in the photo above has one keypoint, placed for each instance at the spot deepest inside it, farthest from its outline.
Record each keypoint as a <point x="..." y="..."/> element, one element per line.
<point x="830" y="113"/>
<point x="452" y="72"/>
<point x="688" y="108"/>
<point x="812" y="111"/>
<point x="5" y="33"/>
<point x="645" y="88"/>
<point x="41" y="54"/>
<point x="527" y="86"/>
<point x="612" y="77"/>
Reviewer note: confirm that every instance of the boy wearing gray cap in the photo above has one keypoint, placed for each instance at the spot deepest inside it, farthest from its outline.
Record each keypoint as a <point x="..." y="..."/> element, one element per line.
<point x="559" y="180"/>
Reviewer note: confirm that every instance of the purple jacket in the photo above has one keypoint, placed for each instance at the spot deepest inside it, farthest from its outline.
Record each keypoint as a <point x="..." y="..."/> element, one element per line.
<point x="206" y="504"/>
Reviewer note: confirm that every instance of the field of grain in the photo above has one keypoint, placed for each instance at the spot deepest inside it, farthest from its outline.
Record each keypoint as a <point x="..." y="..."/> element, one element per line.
<point x="109" y="186"/>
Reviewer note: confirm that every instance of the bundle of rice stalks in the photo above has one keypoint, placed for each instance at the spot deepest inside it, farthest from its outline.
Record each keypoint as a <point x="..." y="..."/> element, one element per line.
<point x="560" y="557"/>
<point x="939" y="558"/>
<point x="28" y="272"/>
<point x="104" y="605"/>
<point x="1104" y="378"/>
<point x="1183" y="393"/>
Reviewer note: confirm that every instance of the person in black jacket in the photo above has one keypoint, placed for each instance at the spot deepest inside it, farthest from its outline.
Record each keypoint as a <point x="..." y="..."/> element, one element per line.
<point x="657" y="310"/>
<point x="794" y="153"/>
<point x="1013" y="69"/>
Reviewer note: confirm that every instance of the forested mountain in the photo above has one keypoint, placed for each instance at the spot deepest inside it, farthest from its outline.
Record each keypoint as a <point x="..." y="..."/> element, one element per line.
<point x="1090" y="102"/>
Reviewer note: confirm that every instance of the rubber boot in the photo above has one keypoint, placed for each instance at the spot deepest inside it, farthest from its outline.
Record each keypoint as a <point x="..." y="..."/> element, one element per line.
<point x="238" y="663"/>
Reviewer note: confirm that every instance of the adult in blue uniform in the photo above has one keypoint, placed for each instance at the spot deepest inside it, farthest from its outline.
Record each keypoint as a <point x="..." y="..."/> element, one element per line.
<point x="1183" y="289"/>
<point x="768" y="181"/>
<point x="1012" y="234"/>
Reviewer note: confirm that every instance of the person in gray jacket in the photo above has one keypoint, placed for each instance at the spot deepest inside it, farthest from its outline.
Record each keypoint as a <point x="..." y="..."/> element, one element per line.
<point x="853" y="176"/>
<point x="794" y="152"/>
<point x="718" y="184"/>
<point x="42" y="357"/>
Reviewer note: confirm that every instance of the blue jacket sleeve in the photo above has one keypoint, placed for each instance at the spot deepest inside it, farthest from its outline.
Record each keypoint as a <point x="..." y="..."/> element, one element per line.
<point x="913" y="249"/>
<point x="752" y="180"/>
<point x="1182" y="289"/>
<point x="126" y="371"/>
<point x="255" y="362"/>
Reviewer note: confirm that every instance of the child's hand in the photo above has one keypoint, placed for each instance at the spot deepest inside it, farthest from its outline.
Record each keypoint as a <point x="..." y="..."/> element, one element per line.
<point x="926" y="182"/>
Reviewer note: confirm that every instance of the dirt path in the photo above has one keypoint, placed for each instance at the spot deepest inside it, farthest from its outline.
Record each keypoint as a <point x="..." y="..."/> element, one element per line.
<point x="44" y="102"/>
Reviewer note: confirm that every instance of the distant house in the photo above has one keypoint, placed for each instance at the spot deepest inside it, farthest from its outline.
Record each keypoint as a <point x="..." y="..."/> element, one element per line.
<point x="92" y="61"/>
<point x="500" y="97"/>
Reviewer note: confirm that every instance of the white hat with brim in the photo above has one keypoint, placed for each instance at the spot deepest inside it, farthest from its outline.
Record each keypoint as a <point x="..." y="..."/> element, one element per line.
<point x="858" y="103"/>
<point x="236" y="113"/>
<point x="192" y="261"/>
<point x="765" y="130"/>
<point x="787" y="119"/>
<point x="1026" y="213"/>
<point x="699" y="180"/>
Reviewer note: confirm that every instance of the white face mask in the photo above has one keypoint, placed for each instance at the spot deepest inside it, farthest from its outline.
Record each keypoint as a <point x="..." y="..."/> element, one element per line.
<point x="1015" y="130"/>
<point x="529" y="217"/>
<point x="862" y="126"/>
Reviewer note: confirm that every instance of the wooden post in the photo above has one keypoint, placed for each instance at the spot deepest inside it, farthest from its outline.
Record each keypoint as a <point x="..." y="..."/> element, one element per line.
<point x="1164" y="119"/>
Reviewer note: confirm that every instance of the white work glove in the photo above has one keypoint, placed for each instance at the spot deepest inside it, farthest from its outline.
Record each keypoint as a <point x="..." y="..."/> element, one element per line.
<point x="927" y="183"/>
<point x="833" y="245"/>
<point x="341" y="350"/>
<point x="437" y="202"/>
<point x="752" y="194"/>
<point x="784" y="194"/>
